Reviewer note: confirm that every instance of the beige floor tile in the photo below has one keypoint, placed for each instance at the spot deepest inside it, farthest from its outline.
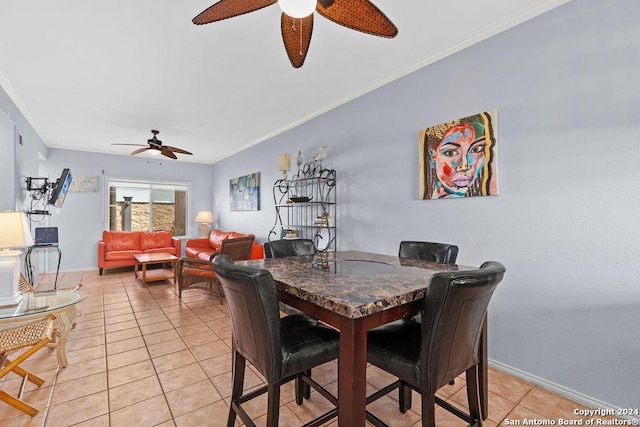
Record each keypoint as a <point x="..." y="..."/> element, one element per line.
<point x="192" y="397"/>
<point x="146" y="413"/>
<point x="125" y="345"/>
<point x="78" y="410"/>
<point x="549" y="404"/>
<point x="212" y="349"/>
<point x="122" y="335"/>
<point x="173" y="360"/>
<point x="182" y="377"/>
<point x="127" y="358"/>
<point x="167" y="347"/>
<point x="128" y="373"/>
<point x="134" y="392"/>
<point x="70" y="390"/>
<point x="213" y="415"/>
<point x="218" y="365"/>
<point x="159" y="337"/>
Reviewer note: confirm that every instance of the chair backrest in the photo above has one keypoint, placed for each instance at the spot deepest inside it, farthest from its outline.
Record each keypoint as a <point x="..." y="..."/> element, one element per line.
<point x="253" y="305"/>
<point x="455" y="308"/>
<point x="238" y="248"/>
<point x="24" y="285"/>
<point x="443" y="253"/>
<point x="289" y="247"/>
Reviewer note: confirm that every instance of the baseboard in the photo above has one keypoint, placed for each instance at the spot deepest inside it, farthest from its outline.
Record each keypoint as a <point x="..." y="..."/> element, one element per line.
<point x="561" y="390"/>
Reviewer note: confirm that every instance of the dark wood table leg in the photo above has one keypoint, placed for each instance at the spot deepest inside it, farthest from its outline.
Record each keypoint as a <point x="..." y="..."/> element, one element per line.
<point x="483" y="372"/>
<point x="352" y="371"/>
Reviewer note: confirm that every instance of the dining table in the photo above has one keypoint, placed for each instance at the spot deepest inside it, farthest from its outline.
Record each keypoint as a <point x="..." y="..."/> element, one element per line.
<point x="35" y="306"/>
<point x="355" y="291"/>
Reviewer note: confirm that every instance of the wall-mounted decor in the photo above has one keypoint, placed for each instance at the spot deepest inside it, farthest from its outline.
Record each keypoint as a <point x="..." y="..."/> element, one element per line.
<point x="459" y="158"/>
<point x="84" y="183"/>
<point x="244" y="193"/>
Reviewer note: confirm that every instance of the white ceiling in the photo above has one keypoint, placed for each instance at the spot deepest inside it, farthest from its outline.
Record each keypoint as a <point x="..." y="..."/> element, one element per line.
<point x="87" y="74"/>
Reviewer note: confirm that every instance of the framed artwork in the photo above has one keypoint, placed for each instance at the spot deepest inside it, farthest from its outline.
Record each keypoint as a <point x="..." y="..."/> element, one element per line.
<point x="244" y="193"/>
<point x="84" y="183"/>
<point x="459" y="158"/>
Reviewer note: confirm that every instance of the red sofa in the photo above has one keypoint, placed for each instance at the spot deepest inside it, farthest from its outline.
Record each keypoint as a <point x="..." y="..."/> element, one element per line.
<point x="203" y="248"/>
<point x="117" y="248"/>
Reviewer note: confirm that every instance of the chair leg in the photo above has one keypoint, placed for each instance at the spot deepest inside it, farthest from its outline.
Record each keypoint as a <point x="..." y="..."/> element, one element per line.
<point x="236" y="391"/>
<point x="273" y="405"/>
<point x="473" y="396"/>
<point x="299" y="389"/>
<point x="220" y="291"/>
<point x="404" y="397"/>
<point x="307" y="387"/>
<point x="18" y="404"/>
<point x="428" y="410"/>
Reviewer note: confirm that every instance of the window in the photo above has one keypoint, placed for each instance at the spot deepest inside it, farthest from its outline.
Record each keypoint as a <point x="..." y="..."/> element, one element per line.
<point x="148" y="205"/>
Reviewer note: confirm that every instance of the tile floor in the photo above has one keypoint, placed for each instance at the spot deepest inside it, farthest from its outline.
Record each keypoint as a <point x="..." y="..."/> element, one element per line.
<point x="142" y="357"/>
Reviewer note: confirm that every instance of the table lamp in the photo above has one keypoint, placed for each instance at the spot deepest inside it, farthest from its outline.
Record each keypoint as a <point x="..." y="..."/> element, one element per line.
<point x="14" y="234"/>
<point x="284" y="164"/>
<point x="205" y="218"/>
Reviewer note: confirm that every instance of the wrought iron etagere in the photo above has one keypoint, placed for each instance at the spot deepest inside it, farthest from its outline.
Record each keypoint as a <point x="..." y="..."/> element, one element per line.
<point x="306" y="206"/>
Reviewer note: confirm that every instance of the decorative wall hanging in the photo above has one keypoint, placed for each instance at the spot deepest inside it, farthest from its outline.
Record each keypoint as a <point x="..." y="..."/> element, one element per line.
<point x="459" y="158"/>
<point x="84" y="183"/>
<point x="244" y="193"/>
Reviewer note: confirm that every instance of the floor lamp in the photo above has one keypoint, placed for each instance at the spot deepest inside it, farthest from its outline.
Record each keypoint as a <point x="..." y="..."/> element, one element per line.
<point x="14" y="235"/>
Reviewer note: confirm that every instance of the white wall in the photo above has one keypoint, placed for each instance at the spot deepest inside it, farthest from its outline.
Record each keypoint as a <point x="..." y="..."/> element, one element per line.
<point x="567" y="90"/>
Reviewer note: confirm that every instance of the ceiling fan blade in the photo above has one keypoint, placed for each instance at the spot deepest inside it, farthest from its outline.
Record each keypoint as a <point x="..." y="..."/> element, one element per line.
<point x="359" y="15"/>
<point x="176" y="149"/>
<point x="168" y="154"/>
<point x="140" y="150"/>
<point x="228" y="9"/>
<point x="296" y="35"/>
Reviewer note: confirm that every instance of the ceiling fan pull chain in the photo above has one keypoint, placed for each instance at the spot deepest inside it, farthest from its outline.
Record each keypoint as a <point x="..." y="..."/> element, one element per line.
<point x="301" y="52"/>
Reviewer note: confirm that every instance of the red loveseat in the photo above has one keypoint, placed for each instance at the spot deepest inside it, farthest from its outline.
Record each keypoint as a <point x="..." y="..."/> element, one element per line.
<point x="203" y="248"/>
<point x="117" y="248"/>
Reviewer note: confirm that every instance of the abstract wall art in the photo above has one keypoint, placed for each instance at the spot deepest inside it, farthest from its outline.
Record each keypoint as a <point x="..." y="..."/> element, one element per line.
<point x="244" y="193"/>
<point x="459" y="158"/>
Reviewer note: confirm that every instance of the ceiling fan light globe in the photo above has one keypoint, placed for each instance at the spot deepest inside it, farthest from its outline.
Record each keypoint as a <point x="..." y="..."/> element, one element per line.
<point x="297" y="8"/>
<point x="155" y="151"/>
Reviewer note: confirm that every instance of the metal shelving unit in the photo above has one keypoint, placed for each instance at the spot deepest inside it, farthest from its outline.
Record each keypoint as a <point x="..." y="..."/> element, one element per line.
<point x="306" y="207"/>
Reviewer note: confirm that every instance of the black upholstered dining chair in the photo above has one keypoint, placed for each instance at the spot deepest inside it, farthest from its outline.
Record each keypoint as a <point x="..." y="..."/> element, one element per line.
<point x="428" y="355"/>
<point x="289" y="247"/>
<point x="281" y="349"/>
<point x="443" y="253"/>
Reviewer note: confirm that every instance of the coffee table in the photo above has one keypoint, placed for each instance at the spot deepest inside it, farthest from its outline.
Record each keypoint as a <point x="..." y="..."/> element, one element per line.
<point x="142" y="260"/>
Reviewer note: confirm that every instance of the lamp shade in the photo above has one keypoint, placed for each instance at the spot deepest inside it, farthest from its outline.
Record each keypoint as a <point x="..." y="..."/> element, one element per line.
<point x="14" y="230"/>
<point x="284" y="162"/>
<point x="204" y="216"/>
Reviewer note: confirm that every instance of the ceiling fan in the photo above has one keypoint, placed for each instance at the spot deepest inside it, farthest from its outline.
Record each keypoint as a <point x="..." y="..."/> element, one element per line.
<point x="296" y="22"/>
<point x="155" y="144"/>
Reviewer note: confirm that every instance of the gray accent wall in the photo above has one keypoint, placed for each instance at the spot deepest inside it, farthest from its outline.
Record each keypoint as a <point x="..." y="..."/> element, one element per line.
<point x="567" y="89"/>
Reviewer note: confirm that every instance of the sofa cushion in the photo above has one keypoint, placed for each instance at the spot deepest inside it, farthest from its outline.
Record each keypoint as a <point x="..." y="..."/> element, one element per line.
<point x="120" y="255"/>
<point x="121" y="240"/>
<point x="206" y="255"/>
<point x="216" y="237"/>
<point x="167" y="250"/>
<point x="155" y="239"/>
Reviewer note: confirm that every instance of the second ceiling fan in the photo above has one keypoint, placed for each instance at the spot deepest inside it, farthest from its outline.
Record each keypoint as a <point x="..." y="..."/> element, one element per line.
<point x="297" y="25"/>
<point x="155" y="144"/>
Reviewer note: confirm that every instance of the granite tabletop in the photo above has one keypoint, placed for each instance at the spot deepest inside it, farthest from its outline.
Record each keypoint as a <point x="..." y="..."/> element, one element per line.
<point x="352" y="283"/>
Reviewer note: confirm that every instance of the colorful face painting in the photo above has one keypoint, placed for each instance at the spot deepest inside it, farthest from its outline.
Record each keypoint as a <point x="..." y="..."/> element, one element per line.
<point x="458" y="158"/>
